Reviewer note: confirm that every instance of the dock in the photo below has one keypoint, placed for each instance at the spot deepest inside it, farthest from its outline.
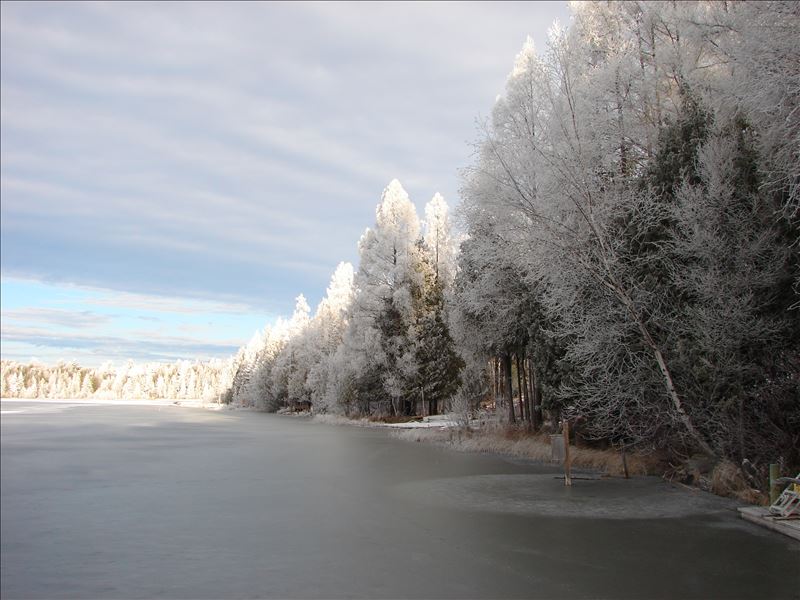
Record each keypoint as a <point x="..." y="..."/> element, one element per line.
<point x="761" y="516"/>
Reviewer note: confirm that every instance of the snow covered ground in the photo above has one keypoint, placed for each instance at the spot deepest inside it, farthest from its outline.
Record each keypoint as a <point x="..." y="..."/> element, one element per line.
<point x="432" y="422"/>
<point x="435" y="421"/>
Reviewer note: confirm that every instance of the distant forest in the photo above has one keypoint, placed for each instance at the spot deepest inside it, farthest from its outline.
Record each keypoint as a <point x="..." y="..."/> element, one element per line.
<point x="625" y="255"/>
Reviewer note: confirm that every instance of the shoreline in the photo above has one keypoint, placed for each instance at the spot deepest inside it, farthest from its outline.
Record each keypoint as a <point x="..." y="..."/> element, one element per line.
<point x="493" y="438"/>
<point x="483" y="438"/>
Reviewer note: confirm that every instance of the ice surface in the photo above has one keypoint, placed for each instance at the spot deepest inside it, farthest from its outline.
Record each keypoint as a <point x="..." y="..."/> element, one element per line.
<point x="160" y="501"/>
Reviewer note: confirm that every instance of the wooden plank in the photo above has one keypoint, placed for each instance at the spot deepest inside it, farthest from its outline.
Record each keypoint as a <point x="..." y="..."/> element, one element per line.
<point x="761" y="516"/>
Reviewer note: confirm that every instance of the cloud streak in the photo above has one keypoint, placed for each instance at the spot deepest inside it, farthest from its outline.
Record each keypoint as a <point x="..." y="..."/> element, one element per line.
<point x="83" y="319"/>
<point x="93" y="323"/>
<point x="232" y="151"/>
<point x="150" y="348"/>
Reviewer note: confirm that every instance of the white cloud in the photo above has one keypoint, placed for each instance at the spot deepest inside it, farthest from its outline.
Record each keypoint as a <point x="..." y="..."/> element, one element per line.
<point x="80" y="319"/>
<point x="97" y="296"/>
<point x="152" y="347"/>
<point x="92" y="323"/>
<point x="151" y="303"/>
<point x="252" y="138"/>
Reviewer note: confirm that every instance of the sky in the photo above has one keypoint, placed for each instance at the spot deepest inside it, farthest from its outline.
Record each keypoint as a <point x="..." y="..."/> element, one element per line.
<point x="175" y="174"/>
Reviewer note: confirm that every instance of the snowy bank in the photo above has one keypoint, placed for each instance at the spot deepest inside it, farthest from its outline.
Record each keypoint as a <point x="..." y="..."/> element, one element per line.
<point x="436" y="422"/>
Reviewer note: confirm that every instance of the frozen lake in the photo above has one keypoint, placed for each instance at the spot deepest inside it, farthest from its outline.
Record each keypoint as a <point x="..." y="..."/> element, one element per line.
<point x="147" y="502"/>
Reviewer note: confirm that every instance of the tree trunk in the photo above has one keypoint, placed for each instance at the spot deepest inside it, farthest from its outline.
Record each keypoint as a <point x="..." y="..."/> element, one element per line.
<point x="508" y="391"/>
<point x="741" y="429"/>
<point x="623" y="147"/>
<point x="536" y="400"/>
<point x="676" y="400"/>
<point x="528" y="407"/>
<point x="520" y="389"/>
<point x="501" y="386"/>
<point x="567" y="465"/>
<point x="496" y="377"/>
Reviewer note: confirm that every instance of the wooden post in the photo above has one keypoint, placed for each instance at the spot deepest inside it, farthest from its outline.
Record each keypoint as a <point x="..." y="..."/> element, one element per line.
<point x="774" y="487"/>
<point x="567" y="478"/>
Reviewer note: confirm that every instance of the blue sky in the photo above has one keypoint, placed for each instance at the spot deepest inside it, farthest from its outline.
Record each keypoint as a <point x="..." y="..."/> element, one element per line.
<point x="173" y="175"/>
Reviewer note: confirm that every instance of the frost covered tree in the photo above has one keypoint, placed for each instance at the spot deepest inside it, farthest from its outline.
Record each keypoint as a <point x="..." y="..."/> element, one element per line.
<point x="325" y="336"/>
<point x="396" y="347"/>
<point x="735" y="333"/>
<point x="130" y="381"/>
<point x="587" y="165"/>
<point x="246" y="362"/>
<point x="439" y="240"/>
<point x="377" y="343"/>
<point x="631" y="254"/>
<point x="438" y="363"/>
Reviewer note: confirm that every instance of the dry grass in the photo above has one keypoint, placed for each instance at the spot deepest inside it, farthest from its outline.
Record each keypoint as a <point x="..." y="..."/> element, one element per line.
<point x="727" y="480"/>
<point x="392" y="419"/>
<point x="331" y="419"/>
<point x="517" y="443"/>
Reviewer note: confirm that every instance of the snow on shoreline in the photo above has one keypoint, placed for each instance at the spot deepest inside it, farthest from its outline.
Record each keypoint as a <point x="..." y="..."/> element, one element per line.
<point x="432" y="422"/>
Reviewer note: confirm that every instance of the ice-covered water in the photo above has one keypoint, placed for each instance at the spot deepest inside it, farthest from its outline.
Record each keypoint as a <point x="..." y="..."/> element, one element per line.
<point x="160" y="501"/>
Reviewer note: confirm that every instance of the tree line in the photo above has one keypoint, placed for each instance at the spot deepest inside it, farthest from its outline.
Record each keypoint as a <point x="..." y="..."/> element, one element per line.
<point x="379" y="342"/>
<point x="633" y="213"/>
<point x="627" y="256"/>
<point x="181" y="380"/>
<point x="630" y="257"/>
